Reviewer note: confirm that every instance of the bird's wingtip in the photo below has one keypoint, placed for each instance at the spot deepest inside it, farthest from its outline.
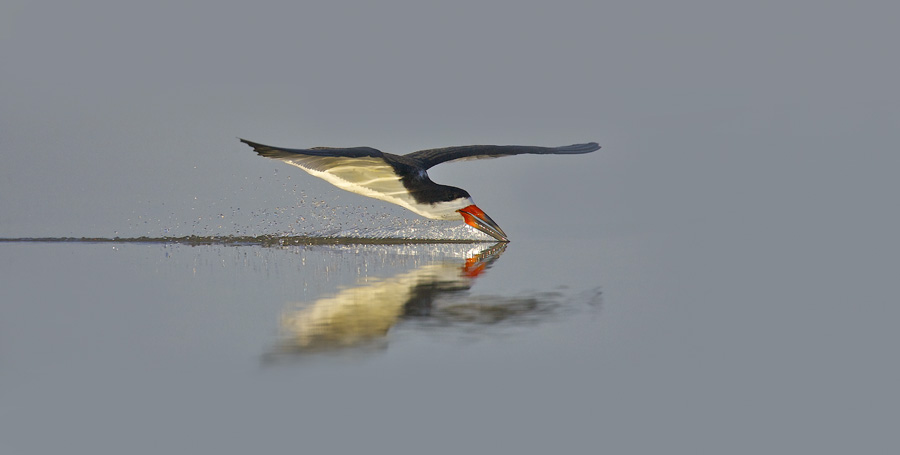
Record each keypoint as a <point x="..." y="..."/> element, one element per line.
<point x="261" y="149"/>
<point x="255" y="145"/>
<point x="579" y="148"/>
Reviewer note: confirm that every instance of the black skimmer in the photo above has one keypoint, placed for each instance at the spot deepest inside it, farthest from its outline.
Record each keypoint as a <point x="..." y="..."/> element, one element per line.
<point x="403" y="180"/>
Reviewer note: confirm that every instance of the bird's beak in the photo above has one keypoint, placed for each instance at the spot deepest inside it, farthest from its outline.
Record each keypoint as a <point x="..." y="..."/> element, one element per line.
<point x="476" y="218"/>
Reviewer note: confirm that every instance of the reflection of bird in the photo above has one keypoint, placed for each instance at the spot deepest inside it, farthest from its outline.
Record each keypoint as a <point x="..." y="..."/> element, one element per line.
<point x="362" y="315"/>
<point x="403" y="180"/>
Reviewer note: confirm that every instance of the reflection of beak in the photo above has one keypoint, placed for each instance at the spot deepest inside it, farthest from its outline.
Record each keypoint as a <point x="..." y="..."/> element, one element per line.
<point x="479" y="262"/>
<point x="476" y="218"/>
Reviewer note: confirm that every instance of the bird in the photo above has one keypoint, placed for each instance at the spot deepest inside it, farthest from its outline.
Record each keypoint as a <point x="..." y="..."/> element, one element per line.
<point x="403" y="179"/>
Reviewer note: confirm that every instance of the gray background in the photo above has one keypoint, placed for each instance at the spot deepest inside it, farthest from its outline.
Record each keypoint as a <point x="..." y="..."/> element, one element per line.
<point x="741" y="217"/>
<point x="122" y="119"/>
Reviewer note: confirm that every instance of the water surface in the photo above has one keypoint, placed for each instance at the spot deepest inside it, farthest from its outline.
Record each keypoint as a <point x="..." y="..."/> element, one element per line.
<point x="618" y="342"/>
<point x="103" y="338"/>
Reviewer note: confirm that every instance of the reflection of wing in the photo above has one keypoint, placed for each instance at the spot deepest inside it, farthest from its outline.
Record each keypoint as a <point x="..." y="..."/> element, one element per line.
<point x="433" y="157"/>
<point x="360" y="170"/>
<point x="363" y="314"/>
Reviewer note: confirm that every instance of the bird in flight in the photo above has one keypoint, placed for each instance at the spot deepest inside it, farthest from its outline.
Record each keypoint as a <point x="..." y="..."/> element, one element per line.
<point x="403" y="180"/>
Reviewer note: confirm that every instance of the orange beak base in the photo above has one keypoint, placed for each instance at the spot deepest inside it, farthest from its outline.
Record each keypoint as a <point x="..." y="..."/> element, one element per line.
<point x="476" y="218"/>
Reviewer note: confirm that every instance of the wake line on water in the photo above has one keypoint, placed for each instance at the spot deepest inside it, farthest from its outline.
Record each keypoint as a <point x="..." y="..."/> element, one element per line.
<point x="237" y="240"/>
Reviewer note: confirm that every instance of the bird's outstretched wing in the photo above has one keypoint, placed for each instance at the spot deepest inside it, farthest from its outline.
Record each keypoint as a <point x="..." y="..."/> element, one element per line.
<point x="284" y="154"/>
<point x="433" y="157"/>
<point x="360" y="170"/>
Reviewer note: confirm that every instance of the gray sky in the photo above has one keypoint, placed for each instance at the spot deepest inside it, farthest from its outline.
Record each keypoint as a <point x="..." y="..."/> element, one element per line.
<point x="121" y="119"/>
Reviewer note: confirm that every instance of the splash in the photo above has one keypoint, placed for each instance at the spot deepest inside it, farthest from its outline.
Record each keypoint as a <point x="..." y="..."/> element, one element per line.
<point x="419" y="230"/>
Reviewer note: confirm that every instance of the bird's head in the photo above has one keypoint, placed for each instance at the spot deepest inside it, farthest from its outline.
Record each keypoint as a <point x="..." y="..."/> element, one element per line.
<point x="475" y="217"/>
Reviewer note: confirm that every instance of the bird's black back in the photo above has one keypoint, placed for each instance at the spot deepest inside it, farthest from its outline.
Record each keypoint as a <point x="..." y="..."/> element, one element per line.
<point x="419" y="185"/>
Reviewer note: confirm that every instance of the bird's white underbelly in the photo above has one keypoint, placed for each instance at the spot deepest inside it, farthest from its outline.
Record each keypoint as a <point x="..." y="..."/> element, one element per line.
<point x="389" y="188"/>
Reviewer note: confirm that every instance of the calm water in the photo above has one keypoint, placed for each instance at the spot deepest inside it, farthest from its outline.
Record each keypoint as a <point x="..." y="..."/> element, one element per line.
<point x="237" y="348"/>
<point x="537" y="346"/>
